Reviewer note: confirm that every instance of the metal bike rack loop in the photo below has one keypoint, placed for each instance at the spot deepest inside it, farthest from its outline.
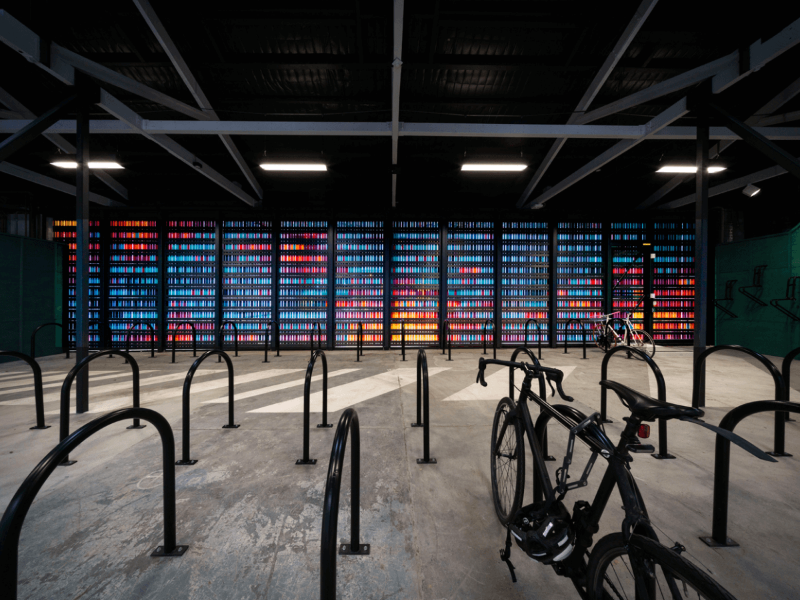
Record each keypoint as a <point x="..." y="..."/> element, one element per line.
<point x="542" y="391"/>
<point x="307" y="404"/>
<point x="35" y="331"/>
<point x="348" y="423"/>
<point x="38" y="391"/>
<point x="152" y="337"/>
<point x="699" y="390"/>
<point x="661" y="394"/>
<point x="786" y="373"/>
<point x="14" y="517"/>
<point x="423" y="408"/>
<point x="194" y="338"/>
<point x="187" y="386"/>
<point x="583" y="334"/>
<point x="318" y="327"/>
<point x="67" y="386"/>
<point x="403" y="339"/>
<point x="360" y="342"/>
<point x="494" y="338"/>
<point x="221" y="341"/>
<point x="267" y="332"/>
<point x="447" y="339"/>
<point x="538" y="332"/>
<point x="722" y="465"/>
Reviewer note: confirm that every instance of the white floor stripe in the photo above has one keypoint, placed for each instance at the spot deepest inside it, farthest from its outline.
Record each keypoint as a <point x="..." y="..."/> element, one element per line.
<point x="348" y="394"/>
<point x="60" y="382"/>
<point x="497" y="387"/>
<point x="50" y="378"/>
<point x="274" y="388"/>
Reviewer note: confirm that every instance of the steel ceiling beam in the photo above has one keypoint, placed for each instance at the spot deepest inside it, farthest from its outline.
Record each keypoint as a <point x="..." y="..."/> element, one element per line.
<point x="163" y="37"/>
<point x="784" y="118"/>
<point x="123" y="113"/>
<point x="34" y="128"/>
<point x="16" y="106"/>
<point x="397" y="64"/>
<point x="636" y="22"/>
<point x="54" y="184"/>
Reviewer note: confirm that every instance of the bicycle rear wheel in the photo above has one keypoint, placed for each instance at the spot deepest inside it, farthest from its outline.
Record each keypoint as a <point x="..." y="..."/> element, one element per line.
<point x="671" y="576"/>
<point x="643" y="341"/>
<point x="508" y="461"/>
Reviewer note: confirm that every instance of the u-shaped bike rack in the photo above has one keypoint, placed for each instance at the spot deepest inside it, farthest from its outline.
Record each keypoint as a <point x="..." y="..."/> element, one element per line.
<point x="662" y="394"/>
<point x="722" y="465"/>
<point x="583" y="334"/>
<point x="348" y="423"/>
<point x="152" y="337"/>
<point x="699" y="390"/>
<point x="538" y="331"/>
<point x="35" y="331"/>
<point x="221" y="340"/>
<point x="38" y="391"/>
<point x="307" y="404"/>
<point x="423" y="408"/>
<point x="187" y="386"/>
<point x="67" y="386"/>
<point x="447" y="339"/>
<point x="267" y="332"/>
<point x="194" y="338"/>
<point x="14" y="517"/>
<point x="542" y="392"/>
<point x="494" y="338"/>
<point x="360" y="342"/>
<point x="318" y="327"/>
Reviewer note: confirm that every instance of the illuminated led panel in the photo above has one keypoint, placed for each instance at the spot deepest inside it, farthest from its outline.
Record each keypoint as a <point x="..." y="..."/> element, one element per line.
<point x="64" y="231"/>
<point x="133" y="281"/>
<point x="303" y="281"/>
<point x="359" y="282"/>
<point x="246" y="281"/>
<point x="470" y="280"/>
<point x="191" y="280"/>
<point x="579" y="278"/>
<point x="524" y="287"/>
<point x="415" y="273"/>
<point x="627" y="264"/>
<point x="673" y="283"/>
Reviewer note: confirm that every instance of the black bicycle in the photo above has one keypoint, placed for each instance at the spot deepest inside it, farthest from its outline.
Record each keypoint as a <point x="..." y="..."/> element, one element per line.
<point x="625" y="565"/>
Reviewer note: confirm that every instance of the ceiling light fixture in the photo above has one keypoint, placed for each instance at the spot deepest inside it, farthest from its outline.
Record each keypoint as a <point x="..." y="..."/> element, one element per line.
<point x="67" y="161"/>
<point x="687" y="169"/>
<point x="751" y="190"/>
<point x="493" y="167"/>
<point x="293" y="167"/>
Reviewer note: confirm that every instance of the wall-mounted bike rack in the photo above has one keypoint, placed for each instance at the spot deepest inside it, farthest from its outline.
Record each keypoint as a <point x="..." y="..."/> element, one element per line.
<point x="538" y="332"/>
<point x="722" y="465"/>
<point x="14" y="517"/>
<point x="699" y="390"/>
<point x="728" y="298"/>
<point x="423" y="408"/>
<point x="38" y="391"/>
<point x="447" y="339"/>
<point x="494" y="337"/>
<point x="194" y="338"/>
<point x="758" y="284"/>
<point x="348" y="423"/>
<point x="790" y="297"/>
<point x="152" y="337"/>
<point x="221" y="341"/>
<point x="267" y="333"/>
<point x="307" y="404"/>
<point x="403" y="339"/>
<point x="583" y="334"/>
<point x="33" y="338"/>
<point x="542" y="391"/>
<point x="67" y="386"/>
<point x="187" y="386"/>
<point x="360" y="342"/>
<point x="661" y="394"/>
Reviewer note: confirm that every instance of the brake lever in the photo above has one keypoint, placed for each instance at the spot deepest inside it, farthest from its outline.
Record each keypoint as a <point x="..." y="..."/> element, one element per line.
<point x="481" y="369"/>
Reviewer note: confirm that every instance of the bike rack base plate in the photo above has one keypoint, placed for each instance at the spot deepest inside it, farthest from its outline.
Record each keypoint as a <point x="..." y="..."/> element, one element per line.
<point x="67" y="463"/>
<point x="42" y="427"/>
<point x="710" y="541"/>
<point x="325" y="425"/>
<point x="310" y="461"/>
<point x="779" y="454"/>
<point x="185" y="462"/>
<point x="178" y="551"/>
<point x="662" y="456"/>
<point x="345" y="550"/>
<point x="550" y="458"/>
<point x="234" y="426"/>
<point x="430" y="461"/>
<point x="413" y="425"/>
<point x="136" y="427"/>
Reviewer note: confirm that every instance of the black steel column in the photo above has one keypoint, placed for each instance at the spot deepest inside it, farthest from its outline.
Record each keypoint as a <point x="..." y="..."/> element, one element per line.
<point x="443" y="255"/>
<point x="701" y="234"/>
<point x="608" y="269"/>
<point x="162" y="302"/>
<point x="498" y="288"/>
<point x="103" y="310"/>
<point x="551" y="324"/>
<point x="65" y="297"/>
<point x="388" y="252"/>
<point x="331" y="313"/>
<point x="276" y="264"/>
<point x="218" y="282"/>
<point x="647" y="288"/>
<point x="82" y="249"/>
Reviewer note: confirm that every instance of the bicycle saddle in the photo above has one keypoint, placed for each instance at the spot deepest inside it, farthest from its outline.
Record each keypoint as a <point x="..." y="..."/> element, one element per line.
<point x="647" y="408"/>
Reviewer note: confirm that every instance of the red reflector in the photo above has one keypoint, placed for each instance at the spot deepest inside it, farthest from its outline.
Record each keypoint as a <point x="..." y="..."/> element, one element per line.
<point x="644" y="431"/>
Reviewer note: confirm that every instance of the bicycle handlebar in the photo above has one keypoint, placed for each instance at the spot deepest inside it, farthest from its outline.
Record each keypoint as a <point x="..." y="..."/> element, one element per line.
<point x="551" y="374"/>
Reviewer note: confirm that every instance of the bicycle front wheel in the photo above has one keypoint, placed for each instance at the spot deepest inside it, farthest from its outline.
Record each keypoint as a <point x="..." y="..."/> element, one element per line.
<point x="643" y="341"/>
<point x="668" y="575"/>
<point x="508" y="461"/>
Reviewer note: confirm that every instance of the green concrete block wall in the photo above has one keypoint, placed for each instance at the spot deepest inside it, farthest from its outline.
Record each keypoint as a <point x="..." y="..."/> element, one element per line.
<point x="761" y="328"/>
<point x="31" y="281"/>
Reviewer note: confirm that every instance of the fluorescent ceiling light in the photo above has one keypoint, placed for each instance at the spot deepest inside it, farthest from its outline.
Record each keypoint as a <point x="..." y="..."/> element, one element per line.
<point x="493" y="167"/>
<point x="687" y="169"/>
<point x="750" y="190"/>
<point x="70" y="164"/>
<point x="293" y="167"/>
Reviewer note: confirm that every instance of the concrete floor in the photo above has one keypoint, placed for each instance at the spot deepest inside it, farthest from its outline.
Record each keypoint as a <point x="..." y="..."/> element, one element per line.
<point x="252" y="518"/>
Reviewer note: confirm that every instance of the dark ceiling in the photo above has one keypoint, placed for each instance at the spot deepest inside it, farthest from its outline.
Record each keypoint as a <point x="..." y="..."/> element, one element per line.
<point x="508" y="62"/>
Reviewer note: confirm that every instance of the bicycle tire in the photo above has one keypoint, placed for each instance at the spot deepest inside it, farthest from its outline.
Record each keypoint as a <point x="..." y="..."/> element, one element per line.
<point x="666" y="563"/>
<point x="508" y="465"/>
<point x="644" y="342"/>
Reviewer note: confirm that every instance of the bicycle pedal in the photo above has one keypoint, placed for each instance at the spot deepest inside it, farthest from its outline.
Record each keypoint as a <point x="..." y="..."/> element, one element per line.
<point x="640" y="448"/>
